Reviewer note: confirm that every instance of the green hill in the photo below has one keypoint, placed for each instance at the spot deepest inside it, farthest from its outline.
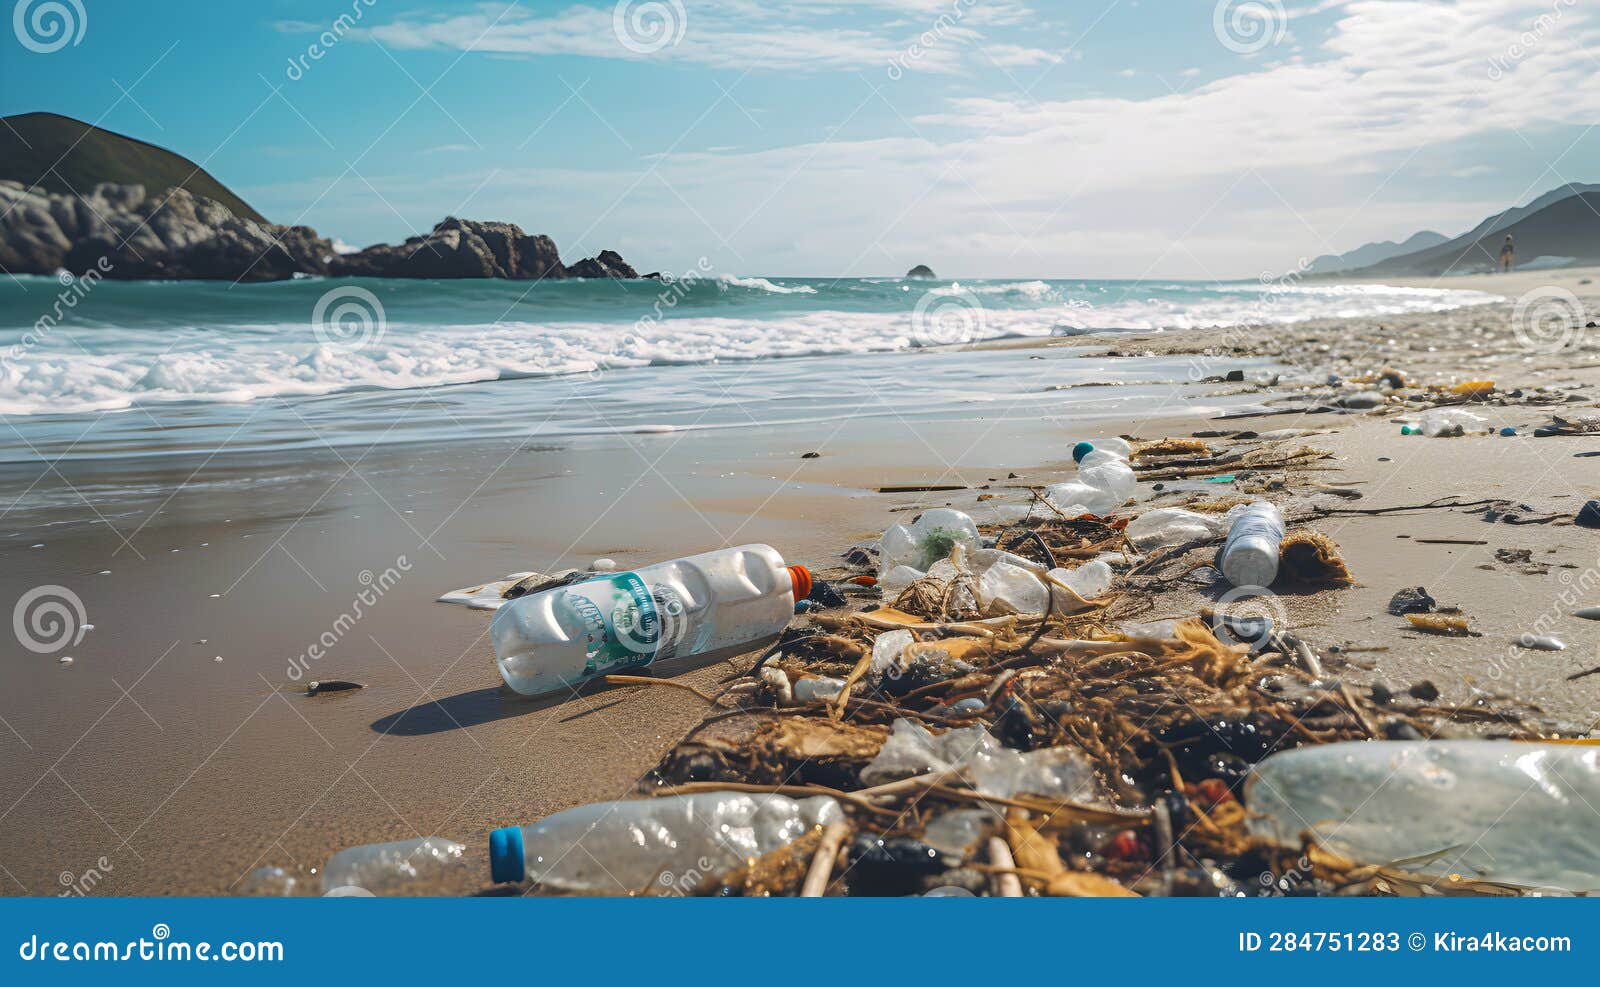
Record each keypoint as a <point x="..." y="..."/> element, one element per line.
<point x="68" y="156"/>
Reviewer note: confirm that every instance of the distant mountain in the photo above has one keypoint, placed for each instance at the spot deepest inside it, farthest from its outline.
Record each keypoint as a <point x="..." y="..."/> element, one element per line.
<point x="1565" y="228"/>
<point x="70" y="157"/>
<point x="1372" y="253"/>
<point x="1500" y="221"/>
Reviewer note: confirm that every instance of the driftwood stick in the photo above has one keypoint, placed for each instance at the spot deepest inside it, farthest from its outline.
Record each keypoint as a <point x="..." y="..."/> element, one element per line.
<point x="1006" y="882"/>
<point x="816" y="881"/>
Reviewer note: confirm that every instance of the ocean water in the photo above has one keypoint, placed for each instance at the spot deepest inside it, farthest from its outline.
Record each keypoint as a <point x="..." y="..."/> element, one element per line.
<point x="100" y="369"/>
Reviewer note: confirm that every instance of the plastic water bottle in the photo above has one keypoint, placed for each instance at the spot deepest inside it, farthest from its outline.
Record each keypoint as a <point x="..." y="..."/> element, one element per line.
<point x="1105" y="482"/>
<point x="403" y="867"/>
<point x="1250" y="555"/>
<point x="624" y="620"/>
<point x="673" y="843"/>
<point x="1517" y="813"/>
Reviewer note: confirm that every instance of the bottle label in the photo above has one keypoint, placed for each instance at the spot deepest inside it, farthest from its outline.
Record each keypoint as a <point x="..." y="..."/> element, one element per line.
<point x="623" y="621"/>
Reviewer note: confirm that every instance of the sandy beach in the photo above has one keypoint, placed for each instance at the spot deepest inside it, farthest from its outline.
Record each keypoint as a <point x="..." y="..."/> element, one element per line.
<point x="178" y="752"/>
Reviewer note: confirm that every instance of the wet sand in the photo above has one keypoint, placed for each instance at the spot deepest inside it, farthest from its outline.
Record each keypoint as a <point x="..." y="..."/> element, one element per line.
<point x="167" y="772"/>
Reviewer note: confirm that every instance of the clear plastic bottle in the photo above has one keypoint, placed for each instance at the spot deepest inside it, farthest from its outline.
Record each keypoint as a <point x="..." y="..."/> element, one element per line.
<point x="403" y="867"/>
<point x="1105" y="482"/>
<point x="625" y="620"/>
<point x="926" y="540"/>
<point x="1502" y="810"/>
<point x="673" y="843"/>
<point x="1250" y="555"/>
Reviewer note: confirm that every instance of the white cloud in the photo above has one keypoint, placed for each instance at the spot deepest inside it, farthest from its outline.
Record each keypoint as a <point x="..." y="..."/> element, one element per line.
<point x="727" y="34"/>
<point x="1289" y="156"/>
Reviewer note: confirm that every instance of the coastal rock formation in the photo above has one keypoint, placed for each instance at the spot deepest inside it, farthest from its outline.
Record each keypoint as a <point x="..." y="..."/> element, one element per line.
<point x="606" y="264"/>
<point x="921" y="272"/>
<point x="178" y="235"/>
<point x="459" y="248"/>
<point x="175" y="235"/>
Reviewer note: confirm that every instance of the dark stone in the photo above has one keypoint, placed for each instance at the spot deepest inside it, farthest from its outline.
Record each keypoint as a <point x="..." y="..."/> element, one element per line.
<point x="323" y="686"/>
<point x="605" y="264"/>
<point x="1425" y="691"/>
<point x="1589" y="515"/>
<point x="921" y="272"/>
<point x="1235" y="377"/>
<point x="812" y="455"/>
<point x="1412" y="601"/>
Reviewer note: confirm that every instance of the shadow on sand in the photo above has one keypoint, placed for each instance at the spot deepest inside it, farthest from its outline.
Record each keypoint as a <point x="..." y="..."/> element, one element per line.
<point x="479" y="706"/>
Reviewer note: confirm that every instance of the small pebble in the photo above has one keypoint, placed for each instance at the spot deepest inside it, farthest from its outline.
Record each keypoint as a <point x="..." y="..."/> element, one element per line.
<point x="1588" y="613"/>
<point x="603" y="565"/>
<point x="218" y="658"/>
<point x="1540" y="642"/>
<point x="65" y="659"/>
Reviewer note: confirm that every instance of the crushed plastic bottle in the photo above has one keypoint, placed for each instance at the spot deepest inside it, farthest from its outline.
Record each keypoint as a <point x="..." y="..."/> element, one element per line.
<point x="1105" y="482"/>
<point x="1250" y="555"/>
<point x="677" y="841"/>
<point x="991" y="768"/>
<point x="403" y="867"/>
<point x="1505" y="811"/>
<point x="619" y="621"/>
<point x="1169" y="527"/>
<point x="906" y="552"/>
<point x="1446" y="422"/>
<point x="1008" y="583"/>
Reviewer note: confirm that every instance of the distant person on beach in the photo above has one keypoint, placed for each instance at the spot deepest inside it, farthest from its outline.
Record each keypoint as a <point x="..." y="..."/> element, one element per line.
<point x="1508" y="255"/>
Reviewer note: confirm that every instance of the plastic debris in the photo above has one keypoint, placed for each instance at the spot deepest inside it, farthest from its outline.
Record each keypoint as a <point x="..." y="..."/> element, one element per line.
<point x="1447" y="422"/>
<point x="975" y="754"/>
<point x="558" y="638"/>
<point x="1511" y="813"/>
<point x="906" y="552"/>
<point x="403" y="867"/>
<point x="1169" y="527"/>
<point x="623" y="847"/>
<point x="1250" y="555"/>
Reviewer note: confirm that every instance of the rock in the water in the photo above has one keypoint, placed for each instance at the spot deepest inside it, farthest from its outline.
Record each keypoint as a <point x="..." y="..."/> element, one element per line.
<point x="605" y="264"/>
<point x="118" y="231"/>
<point x="121" y="232"/>
<point x="921" y="272"/>
<point x="458" y="248"/>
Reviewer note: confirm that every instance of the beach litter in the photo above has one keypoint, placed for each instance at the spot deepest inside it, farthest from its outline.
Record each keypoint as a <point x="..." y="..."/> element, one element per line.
<point x="1025" y="707"/>
<point x="1438" y="817"/>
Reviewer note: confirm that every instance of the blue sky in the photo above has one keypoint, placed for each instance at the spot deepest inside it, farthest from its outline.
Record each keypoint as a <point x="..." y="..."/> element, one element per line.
<point x="1131" y="138"/>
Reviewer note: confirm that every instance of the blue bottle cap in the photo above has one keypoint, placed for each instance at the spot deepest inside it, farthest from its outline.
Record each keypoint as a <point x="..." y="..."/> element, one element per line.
<point x="505" y="855"/>
<point x="1081" y="450"/>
